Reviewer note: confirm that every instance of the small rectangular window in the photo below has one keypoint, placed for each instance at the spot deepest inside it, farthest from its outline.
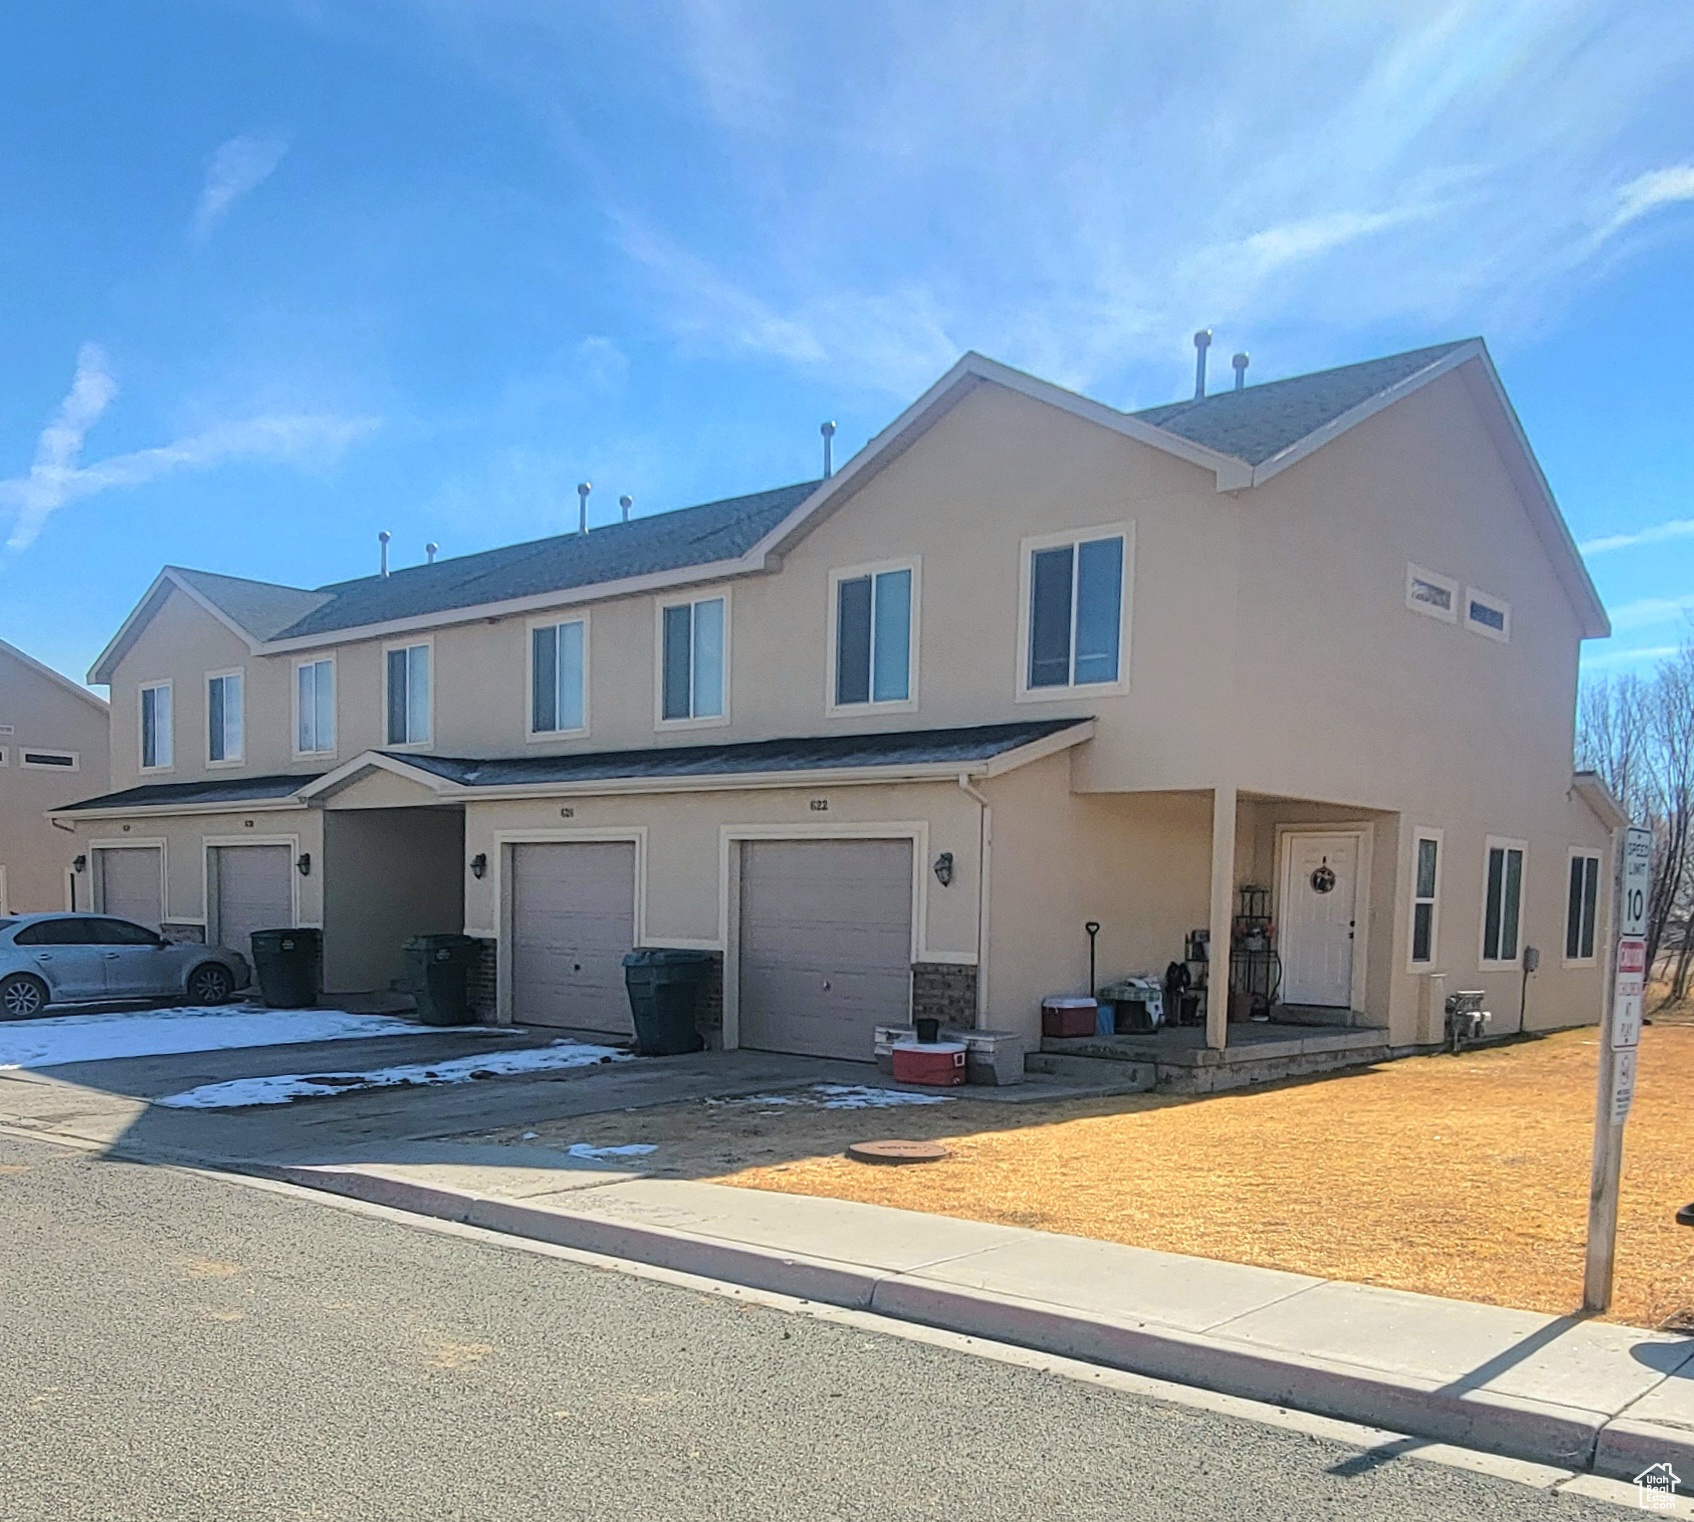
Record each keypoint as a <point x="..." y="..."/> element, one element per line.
<point x="1076" y="613"/>
<point x="408" y="695"/>
<point x="557" y="678"/>
<point x="48" y="760"/>
<point x="1487" y="614"/>
<point x="314" y="704"/>
<point x="1432" y="594"/>
<point x="693" y="660"/>
<point x="1502" y="902"/>
<point x="1582" y="906"/>
<point x="156" y="727"/>
<point x="873" y="638"/>
<point x="223" y="718"/>
<point x="1426" y="880"/>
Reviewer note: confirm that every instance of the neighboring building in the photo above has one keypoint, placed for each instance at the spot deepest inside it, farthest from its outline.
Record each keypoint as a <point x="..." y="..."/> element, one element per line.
<point x="888" y="740"/>
<point x="54" y="749"/>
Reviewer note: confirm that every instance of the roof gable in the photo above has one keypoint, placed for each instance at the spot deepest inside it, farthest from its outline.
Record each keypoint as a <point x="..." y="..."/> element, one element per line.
<point x="56" y="678"/>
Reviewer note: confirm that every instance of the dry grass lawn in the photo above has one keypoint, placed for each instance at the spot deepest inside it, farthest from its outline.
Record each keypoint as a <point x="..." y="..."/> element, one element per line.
<point x="1462" y="1176"/>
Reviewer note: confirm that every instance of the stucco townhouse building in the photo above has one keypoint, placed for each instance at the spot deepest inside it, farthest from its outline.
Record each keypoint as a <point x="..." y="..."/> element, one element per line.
<point x="54" y="747"/>
<point x="887" y="741"/>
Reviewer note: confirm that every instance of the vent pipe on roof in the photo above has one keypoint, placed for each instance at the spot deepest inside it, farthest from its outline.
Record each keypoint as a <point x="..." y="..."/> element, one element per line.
<point x="582" y="491"/>
<point x="1202" y="342"/>
<point x="1240" y="363"/>
<point x="828" y="432"/>
<point x="626" y="502"/>
<point x="383" y="539"/>
<point x="430" y="549"/>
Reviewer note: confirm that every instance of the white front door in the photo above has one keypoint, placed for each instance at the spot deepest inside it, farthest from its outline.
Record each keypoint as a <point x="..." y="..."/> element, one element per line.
<point x="1320" y="893"/>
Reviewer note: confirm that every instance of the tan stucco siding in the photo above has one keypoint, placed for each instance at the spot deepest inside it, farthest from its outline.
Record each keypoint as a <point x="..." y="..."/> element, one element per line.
<point x="40" y="714"/>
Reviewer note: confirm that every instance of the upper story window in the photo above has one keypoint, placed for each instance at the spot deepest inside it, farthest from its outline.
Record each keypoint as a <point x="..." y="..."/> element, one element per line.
<point x="224" y="718"/>
<point x="1074" y="607"/>
<point x="408" y="695"/>
<point x="1502" y="901"/>
<point x="35" y="760"/>
<point x="1582" y="906"/>
<point x="314" y="708"/>
<point x="874" y="618"/>
<point x="694" y="649"/>
<point x="1426" y="887"/>
<point x="156" y="727"/>
<point x="1488" y="614"/>
<point x="1432" y="594"/>
<point x="558" y="663"/>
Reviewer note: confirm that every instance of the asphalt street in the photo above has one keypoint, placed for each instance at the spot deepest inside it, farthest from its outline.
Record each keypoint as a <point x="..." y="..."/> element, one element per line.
<point x="174" y="1345"/>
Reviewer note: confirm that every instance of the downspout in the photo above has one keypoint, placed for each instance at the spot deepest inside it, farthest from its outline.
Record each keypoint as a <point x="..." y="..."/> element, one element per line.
<point x="984" y="860"/>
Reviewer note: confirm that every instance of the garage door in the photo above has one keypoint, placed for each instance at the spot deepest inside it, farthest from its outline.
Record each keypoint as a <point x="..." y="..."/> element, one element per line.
<point x="826" y="944"/>
<point x="132" y="884"/>
<point x="254" y="887"/>
<point x="573" y="922"/>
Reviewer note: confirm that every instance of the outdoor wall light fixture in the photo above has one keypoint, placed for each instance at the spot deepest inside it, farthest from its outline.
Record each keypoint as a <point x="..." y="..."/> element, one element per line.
<point x="944" y="868"/>
<point x="479" y="866"/>
<point x="303" y="864"/>
<point x="80" y="864"/>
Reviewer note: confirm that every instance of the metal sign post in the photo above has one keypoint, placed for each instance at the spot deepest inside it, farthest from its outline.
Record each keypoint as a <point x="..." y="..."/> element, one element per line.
<point x="1620" y="1037"/>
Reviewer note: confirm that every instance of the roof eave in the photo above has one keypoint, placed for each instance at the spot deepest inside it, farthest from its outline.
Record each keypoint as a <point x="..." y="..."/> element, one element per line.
<point x="71" y="812"/>
<point x="57" y="677"/>
<point x="142" y="614"/>
<point x="1593" y="790"/>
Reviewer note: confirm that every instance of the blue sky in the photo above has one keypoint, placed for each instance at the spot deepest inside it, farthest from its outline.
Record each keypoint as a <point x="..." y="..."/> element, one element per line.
<point x="282" y="273"/>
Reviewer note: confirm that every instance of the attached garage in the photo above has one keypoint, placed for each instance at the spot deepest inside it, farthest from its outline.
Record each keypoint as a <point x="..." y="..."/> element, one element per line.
<point x="132" y="883"/>
<point x="825" y="944"/>
<point x="252" y="888"/>
<point x="572" y="924"/>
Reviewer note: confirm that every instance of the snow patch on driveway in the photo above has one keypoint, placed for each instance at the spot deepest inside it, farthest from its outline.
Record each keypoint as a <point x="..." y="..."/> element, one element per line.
<point x="62" y="1039"/>
<point x="287" y="1087"/>
<point x="629" y="1149"/>
<point x="839" y="1096"/>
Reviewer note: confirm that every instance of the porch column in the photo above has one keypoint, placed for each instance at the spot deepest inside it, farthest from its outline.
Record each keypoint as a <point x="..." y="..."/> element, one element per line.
<point x="1223" y="908"/>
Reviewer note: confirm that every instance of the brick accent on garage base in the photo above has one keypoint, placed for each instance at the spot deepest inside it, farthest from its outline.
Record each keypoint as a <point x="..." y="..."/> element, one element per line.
<point x="945" y="991"/>
<point x="484" y="980"/>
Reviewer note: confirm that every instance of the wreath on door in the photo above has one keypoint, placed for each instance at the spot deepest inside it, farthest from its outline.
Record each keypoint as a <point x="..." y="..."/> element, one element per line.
<point x="1323" y="878"/>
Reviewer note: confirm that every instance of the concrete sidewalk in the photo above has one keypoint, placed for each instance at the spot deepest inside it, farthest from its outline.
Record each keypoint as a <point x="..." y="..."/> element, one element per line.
<point x="1582" y="1395"/>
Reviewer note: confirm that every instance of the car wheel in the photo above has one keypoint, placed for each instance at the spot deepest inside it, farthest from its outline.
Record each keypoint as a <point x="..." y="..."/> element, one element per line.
<point x="22" y="996"/>
<point x="210" y="984"/>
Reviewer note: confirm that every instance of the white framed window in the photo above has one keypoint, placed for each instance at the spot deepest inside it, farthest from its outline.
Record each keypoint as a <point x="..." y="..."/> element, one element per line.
<point x="1426" y="897"/>
<point x="1432" y="594"/>
<point x="693" y="647"/>
<point x="5" y="755"/>
<point x="1487" y="614"/>
<point x="407" y="696"/>
<point x="1502" y="901"/>
<point x="873" y="623"/>
<point x="558" y="678"/>
<point x="225" y="721"/>
<point x="156" y="731"/>
<point x="1582" y="908"/>
<point x="314" y="707"/>
<point x="1075" y="612"/>
<point x="33" y="759"/>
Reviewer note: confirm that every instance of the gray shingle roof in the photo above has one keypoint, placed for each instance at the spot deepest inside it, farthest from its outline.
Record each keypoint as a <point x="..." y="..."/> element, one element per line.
<point x="914" y="747"/>
<point x="185" y="794"/>
<point x="1260" y="422"/>
<point x="671" y="541"/>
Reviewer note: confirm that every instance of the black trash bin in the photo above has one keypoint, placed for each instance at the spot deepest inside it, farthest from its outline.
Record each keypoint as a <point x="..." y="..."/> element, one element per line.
<point x="286" y="967"/>
<point x="438" y="973"/>
<point x="664" y="985"/>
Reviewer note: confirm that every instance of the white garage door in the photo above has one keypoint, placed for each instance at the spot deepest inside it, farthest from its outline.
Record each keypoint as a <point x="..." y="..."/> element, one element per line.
<point x="573" y="922"/>
<point x="132" y="884"/>
<point x="826" y="944"/>
<point x="254" y="887"/>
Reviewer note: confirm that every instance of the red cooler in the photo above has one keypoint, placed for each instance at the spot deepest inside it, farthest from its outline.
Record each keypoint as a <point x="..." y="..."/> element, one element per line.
<point x="1068" y="1017"/>
<point x="941" y="1064"/>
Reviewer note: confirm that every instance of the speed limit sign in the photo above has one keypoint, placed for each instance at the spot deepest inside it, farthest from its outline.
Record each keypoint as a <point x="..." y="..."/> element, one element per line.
<point x="1637" y="881"/>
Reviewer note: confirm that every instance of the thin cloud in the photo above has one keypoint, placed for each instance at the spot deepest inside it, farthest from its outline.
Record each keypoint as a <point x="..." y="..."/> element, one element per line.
<point x="1627" y="657"/>
<point x="235" y="168"/>
<point x="1676" y="528"/>
<point x="56" y="477"/>
<point x="1649" y="192"/>
<point x="1646" y="612"/>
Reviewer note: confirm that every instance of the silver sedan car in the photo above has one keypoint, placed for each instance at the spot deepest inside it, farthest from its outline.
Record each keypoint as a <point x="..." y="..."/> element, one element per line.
<point x="84" y="958"/>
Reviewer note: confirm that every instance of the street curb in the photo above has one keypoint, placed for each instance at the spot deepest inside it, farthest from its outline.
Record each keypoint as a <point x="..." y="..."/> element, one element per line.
<point x="1513" y="1426"/>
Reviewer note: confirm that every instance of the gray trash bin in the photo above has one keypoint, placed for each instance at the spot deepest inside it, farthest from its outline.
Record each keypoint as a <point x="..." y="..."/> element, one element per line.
<point x="438" y="972"/>
<point x="664" y="984"/>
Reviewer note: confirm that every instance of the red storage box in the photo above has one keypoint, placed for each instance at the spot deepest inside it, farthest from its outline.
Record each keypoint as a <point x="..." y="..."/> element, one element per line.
<point x="1068" y="1017"/>
<point x="941" y="1064"/>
